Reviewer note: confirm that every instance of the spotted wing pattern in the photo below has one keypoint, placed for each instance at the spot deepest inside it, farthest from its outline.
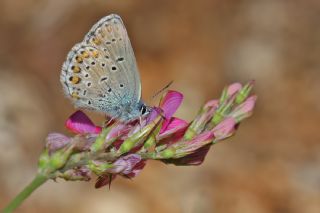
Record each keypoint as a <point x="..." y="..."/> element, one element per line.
<point x="100" y="73"/>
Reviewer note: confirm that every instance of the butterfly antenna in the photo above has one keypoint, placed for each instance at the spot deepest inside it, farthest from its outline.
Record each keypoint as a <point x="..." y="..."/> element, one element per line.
<point x="110" y="180"/>
<point x="164" y="88"/>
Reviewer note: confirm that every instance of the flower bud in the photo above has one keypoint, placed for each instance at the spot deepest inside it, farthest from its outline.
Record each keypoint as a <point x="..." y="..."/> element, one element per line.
<point x="223" y="109"/>
<point x="198" y="124"/>
<point x="59" y="158"/>
<point x="99" y="167"/>
<point x="56" y="141"/>
<point x="224" y="129"/>
<point x="245" y="109"/>
<point x="124" y="165"/>
<point x="82" y="174"/>
<point x="230" y="91"/>
<point x="244" y="92"/>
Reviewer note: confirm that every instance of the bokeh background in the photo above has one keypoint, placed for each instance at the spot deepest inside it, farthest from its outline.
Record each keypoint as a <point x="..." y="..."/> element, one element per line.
<point x="271" y="165"/>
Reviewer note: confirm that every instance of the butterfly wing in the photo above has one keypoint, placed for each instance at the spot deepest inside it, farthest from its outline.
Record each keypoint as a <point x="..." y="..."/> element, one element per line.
<point x="100" y="73"/>
<point x="109" y="34"/>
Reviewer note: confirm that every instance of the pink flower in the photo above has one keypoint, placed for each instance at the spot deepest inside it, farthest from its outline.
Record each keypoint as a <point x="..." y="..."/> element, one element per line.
<point x="233" y="89"/>
<point x="173" y="125"/>
<point x="224" y="129"/>
<point x="79" y="123"/>
<point x="170" y="103"/>
<point x="245" y="109"/>
<point x="167" y="107"/>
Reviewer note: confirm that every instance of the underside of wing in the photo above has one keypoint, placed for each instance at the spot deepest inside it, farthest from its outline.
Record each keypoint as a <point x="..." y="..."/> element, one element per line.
<point x="100" y="73"/>
<point x="109" y="35"/>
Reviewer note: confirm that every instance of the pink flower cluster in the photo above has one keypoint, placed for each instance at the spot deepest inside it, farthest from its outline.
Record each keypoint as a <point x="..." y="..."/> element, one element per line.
<point x="123" y="148"/>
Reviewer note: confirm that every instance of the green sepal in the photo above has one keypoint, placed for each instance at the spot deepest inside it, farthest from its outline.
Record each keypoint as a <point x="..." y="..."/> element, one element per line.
<point x="140" y="135"/>
<point x="195" y="125"/>
<point x="59" y="158"/>
<point x="44" y="160"/>
<point x="244" y="92"/>
<point x="99" y="168"/>
<point x="50" y="163"/>
<point x="190" y="133"/>
<point x="152" y="139"/>
<point x="98" y="145"/>
<point x="167" y="153"/>
<point x="224" y="95"/>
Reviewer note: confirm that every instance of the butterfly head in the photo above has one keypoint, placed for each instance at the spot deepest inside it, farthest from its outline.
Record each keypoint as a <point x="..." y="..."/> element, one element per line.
<point x="133" y="112"/>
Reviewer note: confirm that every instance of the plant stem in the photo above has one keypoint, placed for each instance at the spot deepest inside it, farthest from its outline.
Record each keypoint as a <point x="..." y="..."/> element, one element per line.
<point x="36" y="182"/>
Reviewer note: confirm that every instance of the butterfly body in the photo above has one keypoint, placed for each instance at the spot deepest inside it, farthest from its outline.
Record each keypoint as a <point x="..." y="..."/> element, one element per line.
<point x="100" y="73"/>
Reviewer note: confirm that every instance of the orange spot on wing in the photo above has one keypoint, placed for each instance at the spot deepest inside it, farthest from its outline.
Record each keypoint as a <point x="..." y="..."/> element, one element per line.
<point x="75" y="95"/>
<point x="75" y="69"/>
<point x="75" y="79"/>
<point x="95" y="54"/>
<point x="79" y="59"/>
<point x="96" y="41"/>
<point x="85" y="54"/>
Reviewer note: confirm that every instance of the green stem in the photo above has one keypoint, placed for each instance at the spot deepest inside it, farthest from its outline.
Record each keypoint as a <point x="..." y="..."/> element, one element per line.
<point x="36" y="182"/>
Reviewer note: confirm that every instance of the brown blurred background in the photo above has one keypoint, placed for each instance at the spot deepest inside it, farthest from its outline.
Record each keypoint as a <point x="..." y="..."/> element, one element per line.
<point x="271" y="165"/>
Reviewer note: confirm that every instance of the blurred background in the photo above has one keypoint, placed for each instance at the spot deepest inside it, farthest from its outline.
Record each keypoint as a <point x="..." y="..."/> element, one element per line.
<point x="271" y="165"/>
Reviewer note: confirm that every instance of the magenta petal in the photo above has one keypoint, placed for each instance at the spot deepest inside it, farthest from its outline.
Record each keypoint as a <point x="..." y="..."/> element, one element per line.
<point x="79" y="122"/>
<point x="224" y="129"/>
<point x="170" y="103"/>
<point x="172" y="125"/>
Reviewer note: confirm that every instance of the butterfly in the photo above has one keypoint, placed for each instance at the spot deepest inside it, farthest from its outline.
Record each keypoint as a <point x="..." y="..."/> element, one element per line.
<point x="101" y="74"/>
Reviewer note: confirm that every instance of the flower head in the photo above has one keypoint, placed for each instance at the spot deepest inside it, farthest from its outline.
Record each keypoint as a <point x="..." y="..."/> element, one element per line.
<point x="122" y="149"/>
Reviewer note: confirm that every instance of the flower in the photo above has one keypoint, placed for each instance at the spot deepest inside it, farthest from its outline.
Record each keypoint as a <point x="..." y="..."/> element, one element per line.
<point x="56" y="141"/>
<point x="122" y="149"/>
<point x="128" y="166"/>
<point x="79" y="123"/>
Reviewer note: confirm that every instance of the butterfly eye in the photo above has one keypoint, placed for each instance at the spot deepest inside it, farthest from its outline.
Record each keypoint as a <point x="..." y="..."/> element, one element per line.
<point x="143" y="109"/>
